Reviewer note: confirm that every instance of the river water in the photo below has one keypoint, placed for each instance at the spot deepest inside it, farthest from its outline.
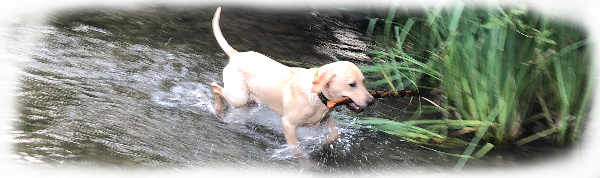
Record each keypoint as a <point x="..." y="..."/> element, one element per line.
<point x="129" y="89"/>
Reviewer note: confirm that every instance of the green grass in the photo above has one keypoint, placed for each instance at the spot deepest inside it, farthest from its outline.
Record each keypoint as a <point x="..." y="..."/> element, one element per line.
<point x="499" y="69"/>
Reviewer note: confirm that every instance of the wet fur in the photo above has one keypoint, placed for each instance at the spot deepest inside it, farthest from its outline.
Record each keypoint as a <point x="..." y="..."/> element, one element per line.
<point x="289" y="92"/>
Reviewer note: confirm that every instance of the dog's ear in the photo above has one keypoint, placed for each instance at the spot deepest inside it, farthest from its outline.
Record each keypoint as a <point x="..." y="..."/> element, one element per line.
<point x="321" y="80"/>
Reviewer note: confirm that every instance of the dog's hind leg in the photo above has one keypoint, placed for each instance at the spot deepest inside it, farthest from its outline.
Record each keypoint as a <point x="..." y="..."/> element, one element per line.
<point x="234" y="91"/>
<point x="235" y="98"/>
<point x="217" y="92"/>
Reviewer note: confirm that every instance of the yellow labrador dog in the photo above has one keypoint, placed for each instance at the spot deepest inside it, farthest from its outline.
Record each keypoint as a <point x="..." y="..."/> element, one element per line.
<point x="290" y="92"/>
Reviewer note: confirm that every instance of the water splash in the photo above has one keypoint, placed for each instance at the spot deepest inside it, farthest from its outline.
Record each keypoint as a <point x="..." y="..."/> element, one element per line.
<point x="188" y="95"/>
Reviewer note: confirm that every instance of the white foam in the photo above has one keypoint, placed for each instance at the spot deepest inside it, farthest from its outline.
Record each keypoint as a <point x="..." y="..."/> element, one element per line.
<point x="85" y="28"/>
<point x="186" y="95"/>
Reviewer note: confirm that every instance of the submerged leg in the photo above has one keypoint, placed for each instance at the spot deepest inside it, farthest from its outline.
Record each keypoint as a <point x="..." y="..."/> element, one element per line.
<point x="332" y="127"/>
<point x="292" y="140"/>
<point x="217" y="94"/>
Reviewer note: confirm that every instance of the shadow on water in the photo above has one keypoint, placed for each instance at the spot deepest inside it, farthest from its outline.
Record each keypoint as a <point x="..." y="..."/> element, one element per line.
<point x="131" y="88"/>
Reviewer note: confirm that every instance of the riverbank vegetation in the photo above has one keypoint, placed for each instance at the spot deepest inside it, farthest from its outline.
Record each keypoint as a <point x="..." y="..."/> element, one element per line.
<point x="497" y="76"/>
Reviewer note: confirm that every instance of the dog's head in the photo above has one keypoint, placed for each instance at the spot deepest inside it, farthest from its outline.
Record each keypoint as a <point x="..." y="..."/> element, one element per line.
<point x="340" y="79"/>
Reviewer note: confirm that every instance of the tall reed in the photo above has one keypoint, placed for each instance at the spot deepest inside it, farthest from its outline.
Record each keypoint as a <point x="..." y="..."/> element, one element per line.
<point x="498" y="70"/>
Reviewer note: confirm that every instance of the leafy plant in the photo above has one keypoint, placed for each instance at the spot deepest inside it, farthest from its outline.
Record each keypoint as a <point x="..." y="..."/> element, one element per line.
<point x="497" y="69"/>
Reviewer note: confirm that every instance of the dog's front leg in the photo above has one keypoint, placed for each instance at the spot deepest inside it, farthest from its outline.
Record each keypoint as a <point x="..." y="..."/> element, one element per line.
<point x="289" y="130"/>
<point x="291" y="138"/>
<point x="332" y="127"/>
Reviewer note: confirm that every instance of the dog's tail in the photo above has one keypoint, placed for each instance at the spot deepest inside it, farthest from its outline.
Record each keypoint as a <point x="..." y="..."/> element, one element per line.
<point x="220" y="39"/>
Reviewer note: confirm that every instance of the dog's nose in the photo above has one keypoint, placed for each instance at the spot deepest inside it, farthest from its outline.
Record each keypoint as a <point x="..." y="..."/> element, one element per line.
<point x="370" y="101"/>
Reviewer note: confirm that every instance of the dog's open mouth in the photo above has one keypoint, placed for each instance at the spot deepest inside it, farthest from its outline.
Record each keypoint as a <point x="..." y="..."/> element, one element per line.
<point x="352" y="106"/>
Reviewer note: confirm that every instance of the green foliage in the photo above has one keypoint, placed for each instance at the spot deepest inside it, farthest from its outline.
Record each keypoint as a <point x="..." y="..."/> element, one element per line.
<point x="407" y="131"/>
<point x="498" y="70"/>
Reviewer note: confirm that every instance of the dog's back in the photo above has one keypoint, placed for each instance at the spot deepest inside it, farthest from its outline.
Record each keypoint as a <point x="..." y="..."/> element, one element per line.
<point x="258" y="74"/>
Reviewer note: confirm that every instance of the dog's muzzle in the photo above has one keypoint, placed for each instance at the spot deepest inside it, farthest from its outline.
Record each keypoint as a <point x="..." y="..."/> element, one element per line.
<point x="352" y="106"/>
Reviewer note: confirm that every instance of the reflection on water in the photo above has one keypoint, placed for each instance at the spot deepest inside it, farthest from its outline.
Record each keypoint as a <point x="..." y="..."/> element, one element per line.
<point x="131" y="88"/>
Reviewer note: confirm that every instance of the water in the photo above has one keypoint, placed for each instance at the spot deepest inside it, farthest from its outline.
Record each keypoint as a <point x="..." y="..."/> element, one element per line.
<point x="130" y="89"/>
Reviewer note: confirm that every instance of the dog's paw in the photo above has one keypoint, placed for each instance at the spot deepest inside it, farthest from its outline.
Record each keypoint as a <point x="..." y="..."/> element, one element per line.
<point x="217" y="113"/>
<point x="213" y="111"/>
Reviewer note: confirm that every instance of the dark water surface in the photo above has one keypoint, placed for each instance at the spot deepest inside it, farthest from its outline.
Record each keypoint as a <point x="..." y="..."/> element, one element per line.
<point x="129" y="88"/>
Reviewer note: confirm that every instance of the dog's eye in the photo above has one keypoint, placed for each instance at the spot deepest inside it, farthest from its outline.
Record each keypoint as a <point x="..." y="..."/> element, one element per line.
<point x="353" y="85"/>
